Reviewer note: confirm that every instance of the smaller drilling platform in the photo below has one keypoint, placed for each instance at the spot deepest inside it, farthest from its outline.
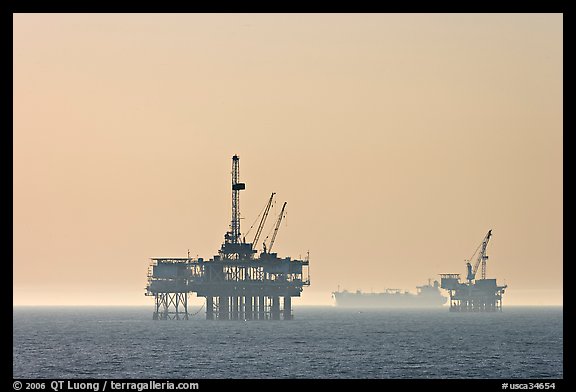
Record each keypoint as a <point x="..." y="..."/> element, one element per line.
<point x="474" y="295"/>
<point x="239" y="283"/>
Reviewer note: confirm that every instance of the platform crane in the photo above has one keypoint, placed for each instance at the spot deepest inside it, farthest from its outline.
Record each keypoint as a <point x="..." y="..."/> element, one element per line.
<point x="482" y="258"/>
<point x="275" y="230"/>
<point x="263" y="220"/>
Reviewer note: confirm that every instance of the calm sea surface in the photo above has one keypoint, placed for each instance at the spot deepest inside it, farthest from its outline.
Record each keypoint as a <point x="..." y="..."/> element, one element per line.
<point x="321" y="342"/>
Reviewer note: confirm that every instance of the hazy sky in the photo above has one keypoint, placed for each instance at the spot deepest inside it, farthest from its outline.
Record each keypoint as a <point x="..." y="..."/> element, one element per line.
<point x="398" y="141"/>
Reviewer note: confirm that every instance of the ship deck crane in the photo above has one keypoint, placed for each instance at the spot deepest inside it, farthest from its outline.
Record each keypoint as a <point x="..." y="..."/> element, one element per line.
<point x="275" y="230"/>
<point x="482" y="258"/>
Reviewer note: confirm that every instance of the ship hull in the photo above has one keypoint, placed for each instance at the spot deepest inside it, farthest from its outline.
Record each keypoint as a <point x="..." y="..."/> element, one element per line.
<point x="388" y="300"/>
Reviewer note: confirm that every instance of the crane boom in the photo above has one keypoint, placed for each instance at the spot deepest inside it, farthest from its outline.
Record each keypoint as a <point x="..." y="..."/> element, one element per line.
<point x="263" y="221"/>
<point x="482" y="257"/>
<point x="277" y="227"/>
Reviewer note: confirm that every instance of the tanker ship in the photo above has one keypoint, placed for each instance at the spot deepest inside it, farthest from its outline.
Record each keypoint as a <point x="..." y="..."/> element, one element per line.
<point x="427" y="296"/>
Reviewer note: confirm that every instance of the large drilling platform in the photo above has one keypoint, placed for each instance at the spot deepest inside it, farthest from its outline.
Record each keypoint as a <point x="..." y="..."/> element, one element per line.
<point x="239" y="283"/>
<point x="474" y="295"/>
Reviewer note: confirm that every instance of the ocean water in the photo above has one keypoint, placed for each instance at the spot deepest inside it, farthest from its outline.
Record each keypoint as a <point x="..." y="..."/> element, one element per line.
<point x="321" y="342"/>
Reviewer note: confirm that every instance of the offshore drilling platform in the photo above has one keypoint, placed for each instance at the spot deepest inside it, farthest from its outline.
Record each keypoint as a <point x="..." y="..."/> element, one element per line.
<point x="474" y="295"/>
<point x="237" y="283"/>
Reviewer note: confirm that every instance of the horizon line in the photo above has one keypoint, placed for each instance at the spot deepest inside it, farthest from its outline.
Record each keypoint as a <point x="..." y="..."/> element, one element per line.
<point x="317" y="305"/>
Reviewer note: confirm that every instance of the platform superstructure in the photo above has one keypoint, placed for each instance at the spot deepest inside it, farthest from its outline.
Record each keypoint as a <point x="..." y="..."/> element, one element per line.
<point x="474" y="295"/>
<point x="240" y="283"/>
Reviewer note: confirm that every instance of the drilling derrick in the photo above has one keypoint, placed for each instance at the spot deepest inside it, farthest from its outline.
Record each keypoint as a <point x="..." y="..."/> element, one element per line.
<point x="237" y="186"/>
<point x="236" y="283"/>
<point x="233" y="248"/>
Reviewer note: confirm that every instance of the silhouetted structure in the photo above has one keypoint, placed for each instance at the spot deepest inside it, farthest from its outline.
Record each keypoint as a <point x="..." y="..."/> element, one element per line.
<point x="427" y="296"/>
<point x="237" y="283"/>
<point x="475" y="295"/>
